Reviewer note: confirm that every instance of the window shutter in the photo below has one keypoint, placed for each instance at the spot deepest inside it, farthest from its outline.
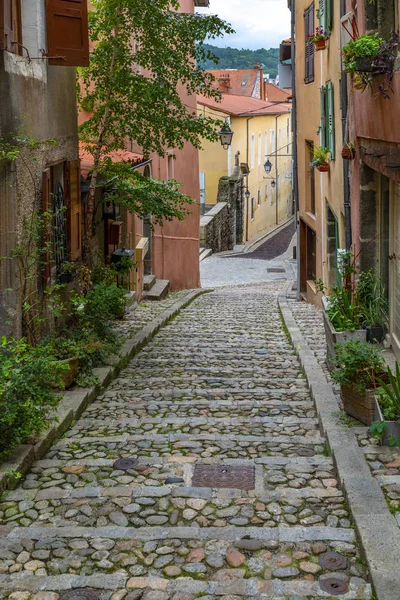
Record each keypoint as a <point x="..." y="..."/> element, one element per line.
<point x="323" y="118"/>
<point x="46" y="205"/>
<point x="322" y="14"/>
<point x="330" y="118"/>
<point x="309" y="47"/>
<point x="10" y="25"/>
<point x="73" y="179"/>
<point x="329" y="14"/>
<point x="67" y="32"/>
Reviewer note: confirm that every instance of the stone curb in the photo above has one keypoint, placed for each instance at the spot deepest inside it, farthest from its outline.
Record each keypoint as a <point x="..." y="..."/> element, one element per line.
<point x="75" y="401"/>
<point x="376" y="528"/>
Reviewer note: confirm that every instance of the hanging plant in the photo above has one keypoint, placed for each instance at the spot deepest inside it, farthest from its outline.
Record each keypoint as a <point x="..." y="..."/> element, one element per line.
<point x="369" y="59"/>
<point x="349" y="151"/>
<point x="321" y="159"/>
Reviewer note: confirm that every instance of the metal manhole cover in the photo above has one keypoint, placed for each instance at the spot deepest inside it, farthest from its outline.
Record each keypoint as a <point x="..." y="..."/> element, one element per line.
<point x="305" y="452"/>
<point x="275" y="270"/>
<point x="333" y="561"/>
<point x="224" y="476"/>
<point x="125" y="464"/>
<point x="80" y="594"/>
<point x="333" y="586"/>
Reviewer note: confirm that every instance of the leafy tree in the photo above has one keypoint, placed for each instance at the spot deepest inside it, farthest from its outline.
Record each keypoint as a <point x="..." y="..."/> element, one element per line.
<point x="144" y="55"/>
<point x="233" y="58"/>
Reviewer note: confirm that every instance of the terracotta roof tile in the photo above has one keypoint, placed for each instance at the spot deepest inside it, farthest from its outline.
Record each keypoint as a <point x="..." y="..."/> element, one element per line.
<point x="276" y="94"/>
<point x="117" y="156"/>
<point x="239" y="82"/>
<point x="243" y="106"/>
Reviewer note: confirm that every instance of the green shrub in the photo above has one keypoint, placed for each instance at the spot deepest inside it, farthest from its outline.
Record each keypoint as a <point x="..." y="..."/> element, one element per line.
<point x="358" y="364"/>
<point x="26" y="393"/>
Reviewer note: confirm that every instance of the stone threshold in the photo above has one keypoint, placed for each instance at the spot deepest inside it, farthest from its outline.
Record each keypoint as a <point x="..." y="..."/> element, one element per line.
<point x="75" y="401"/>
<point x="197" y="421"/>
<point x="376" y="527"/>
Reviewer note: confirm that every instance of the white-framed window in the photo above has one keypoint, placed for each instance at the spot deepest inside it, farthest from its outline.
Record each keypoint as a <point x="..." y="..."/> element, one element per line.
<point x="252" y="208"/>
<point x="272" y="140"/>
<point x="266" y="191"/>
<point x="253" y="150"/>
<point x="266" y="143"/>
<point x="202" y="188"/>
<point x="258" y="197"/>
<point x="259" y="149"/>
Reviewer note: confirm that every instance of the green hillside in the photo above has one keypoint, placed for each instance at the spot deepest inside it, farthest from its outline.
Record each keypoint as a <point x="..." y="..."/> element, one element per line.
<point x="232" y="58"/>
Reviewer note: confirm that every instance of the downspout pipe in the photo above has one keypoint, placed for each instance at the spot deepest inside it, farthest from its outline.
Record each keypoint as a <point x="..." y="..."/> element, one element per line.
<point x="276" y="172"/>
<point x="346" y="163"/>
<point x="295" y="182"/>
<point x="247" y="177"/>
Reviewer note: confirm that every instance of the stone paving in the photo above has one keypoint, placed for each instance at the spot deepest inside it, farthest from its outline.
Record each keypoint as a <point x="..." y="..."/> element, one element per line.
<point x="232" y="494"/>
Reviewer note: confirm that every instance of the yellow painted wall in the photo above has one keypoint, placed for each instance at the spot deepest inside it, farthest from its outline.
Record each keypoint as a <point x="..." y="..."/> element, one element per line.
<point x="328" y="186"/>
<point x="270" y="134"/>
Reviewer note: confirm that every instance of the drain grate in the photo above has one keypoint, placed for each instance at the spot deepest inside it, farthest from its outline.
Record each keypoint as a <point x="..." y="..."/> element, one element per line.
<point x="80" y="594"/>
<point x="276" y="270"/>
<point x="333" y="586"/>
<point x="224" y="476"/>
<point x="333" y="561"/>
<point x="125" y="464"/>
<point x="305" y="452"/>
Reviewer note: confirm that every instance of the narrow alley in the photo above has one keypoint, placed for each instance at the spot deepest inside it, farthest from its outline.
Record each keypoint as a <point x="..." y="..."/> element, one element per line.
<point x="200" y="472"/>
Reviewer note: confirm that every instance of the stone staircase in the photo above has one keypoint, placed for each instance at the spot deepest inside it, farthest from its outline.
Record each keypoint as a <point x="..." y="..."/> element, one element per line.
<point x="155" y="289"/>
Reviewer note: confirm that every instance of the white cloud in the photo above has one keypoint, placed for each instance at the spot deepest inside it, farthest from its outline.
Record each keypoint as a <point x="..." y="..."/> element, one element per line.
<point x="258" y="23"/>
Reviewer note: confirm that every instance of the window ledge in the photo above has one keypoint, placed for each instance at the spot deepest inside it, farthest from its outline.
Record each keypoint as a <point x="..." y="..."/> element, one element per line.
<point x="20" y="66"/>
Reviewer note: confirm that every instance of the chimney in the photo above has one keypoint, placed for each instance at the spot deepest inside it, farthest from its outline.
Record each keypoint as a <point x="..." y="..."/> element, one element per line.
<point x="259" y="67"/>
<point x="224" y="82"/>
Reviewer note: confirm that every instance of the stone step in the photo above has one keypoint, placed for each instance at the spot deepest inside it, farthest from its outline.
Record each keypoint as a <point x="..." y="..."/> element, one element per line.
<point x="148" y="282"/>
<point x="204" y="253"/>
<point x="158" y="291"/>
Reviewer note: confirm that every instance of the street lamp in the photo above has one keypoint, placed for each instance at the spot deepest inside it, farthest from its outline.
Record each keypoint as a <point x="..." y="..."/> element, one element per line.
<point x="273" y="184"/>
<point x="226" y="135"/>
<point x="268" y="166"/>
<point x="247" y="194"/>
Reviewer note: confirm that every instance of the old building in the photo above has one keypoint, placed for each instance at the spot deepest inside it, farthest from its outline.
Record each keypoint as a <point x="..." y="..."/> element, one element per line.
<point x="262" y="133"/>
<point x="38" y="52"/>
<point x="319" y="95"/>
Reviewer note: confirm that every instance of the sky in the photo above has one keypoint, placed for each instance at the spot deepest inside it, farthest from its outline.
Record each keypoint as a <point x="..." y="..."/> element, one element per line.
<point x="258" y="23"/>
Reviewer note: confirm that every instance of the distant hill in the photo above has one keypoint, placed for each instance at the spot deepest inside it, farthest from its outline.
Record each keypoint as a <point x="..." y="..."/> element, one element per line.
<point x="232" y="58"/>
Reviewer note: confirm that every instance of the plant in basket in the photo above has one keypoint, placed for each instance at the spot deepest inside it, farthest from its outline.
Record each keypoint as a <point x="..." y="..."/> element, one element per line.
<point x="349" y="151"/>
<point x="321" y="159"/>
<point x="358" y="367"/>
<point x="319" y="38"/>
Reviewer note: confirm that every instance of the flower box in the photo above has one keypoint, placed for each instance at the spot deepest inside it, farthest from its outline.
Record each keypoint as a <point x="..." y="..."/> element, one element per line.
<point x="338" y="337"/>
<point x="320" y="45"/>
<point x="360" y="405"/>
<point x="68" y="377"/>
<point x="392" y="428"/>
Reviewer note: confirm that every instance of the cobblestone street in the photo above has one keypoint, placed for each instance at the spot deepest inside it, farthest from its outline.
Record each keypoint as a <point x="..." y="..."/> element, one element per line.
<point x="232" y="492"/>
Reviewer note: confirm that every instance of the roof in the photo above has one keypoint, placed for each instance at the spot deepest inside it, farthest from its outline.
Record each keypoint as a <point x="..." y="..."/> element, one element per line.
<point x="239" y="82"/>
<point x="125" y="156"/>
<point x="274" y="93"/>
<point x="239" y="106"/>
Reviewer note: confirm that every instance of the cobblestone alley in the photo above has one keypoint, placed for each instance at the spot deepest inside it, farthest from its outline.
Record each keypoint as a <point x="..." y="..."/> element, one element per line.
<point x="229" y="491"/>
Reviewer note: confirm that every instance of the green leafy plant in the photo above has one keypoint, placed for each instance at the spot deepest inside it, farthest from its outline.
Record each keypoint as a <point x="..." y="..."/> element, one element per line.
<point x="365" y="46"/>
<point x="389" y="400"/>
<point x="370" y="295"/>
<point x="321" y="156"/>
<point x="358" y="364"/>
<point x="319" y="35"/>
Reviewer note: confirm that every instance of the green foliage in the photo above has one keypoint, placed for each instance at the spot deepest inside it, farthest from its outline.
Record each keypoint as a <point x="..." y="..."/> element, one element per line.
<point x="26" y="395"/>
<point x="103" y="303"/>
<point x="142" y="195"/>
<point x="366" y="46"/>
<point x="232" y="58"/>
<point x="389" y="400"/>
<point x="321" y="156"/>
<point x="371" y="297"/>
<point x="358" y="364"/>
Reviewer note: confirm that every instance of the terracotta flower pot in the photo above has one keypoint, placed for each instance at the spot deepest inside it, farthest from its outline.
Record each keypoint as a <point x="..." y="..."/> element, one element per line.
<point x="348" y="153"/>
<point x="324" y="168"/>
<point x="69" y="376"/>
<point x="320" y="45"/>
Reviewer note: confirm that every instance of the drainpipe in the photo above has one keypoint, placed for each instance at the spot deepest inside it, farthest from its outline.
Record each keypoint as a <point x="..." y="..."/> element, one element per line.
<point x="247" y="177"/>
<point x="276" y="172"/>
<point x="294" y="143"/>
<point x="346" y="163"/>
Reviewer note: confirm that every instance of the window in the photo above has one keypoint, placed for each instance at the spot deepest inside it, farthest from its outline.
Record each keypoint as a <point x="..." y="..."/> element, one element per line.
<point x="202" y="192"/>
<point x="170" y="167"/>
<point x="259" y="149"/>
<point x="310" y="179"/>
<point x="258" y="197"/>
<point x="266" y="191"/>
<point x="66" y="30"/>
<point x="252" y="208"/>
<point x="325" y="14"/>
<point x="266" y="144"/>
<point x="61" y="195"/>
<point x="309" y="46"/>
<point x="253" y="150"/>
<point x="272" y="140"/>
<point x="328" y="118"/>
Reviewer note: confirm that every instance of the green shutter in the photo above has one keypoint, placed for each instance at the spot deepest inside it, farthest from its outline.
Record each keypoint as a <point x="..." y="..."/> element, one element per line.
<point x="323" y="118"/>
<point x="322" y="14"/>
<point x="330" y="118"/>
<point x="329" y="15"/>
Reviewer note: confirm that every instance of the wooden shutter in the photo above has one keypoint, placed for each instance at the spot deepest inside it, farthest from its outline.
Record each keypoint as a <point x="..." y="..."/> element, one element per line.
<point x="309" y="47"/>
<point x="10" y="25"/>
<point x="73" y="189"/>
<point x="322" y="14"/>
<point x="323" y="117"/>
<point x="330" y="118"/>
<point x="329" y="14"/>
<point x="67" y="32"/>
<point x="46" y="206"/>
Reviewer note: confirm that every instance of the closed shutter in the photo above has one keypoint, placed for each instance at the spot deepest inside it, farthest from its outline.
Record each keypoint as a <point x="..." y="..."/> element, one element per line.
<point x="330" y="118"/>
<point x="322" y="14"/>
<point x="46" y="206"/>
<point x="323" y="117"/>
<point x="74" y="221"/>
<point x="329" y="15"/>
<point x="309" y="46"/>
<point x="67" y="32"/>
<point x="10" y="25"/>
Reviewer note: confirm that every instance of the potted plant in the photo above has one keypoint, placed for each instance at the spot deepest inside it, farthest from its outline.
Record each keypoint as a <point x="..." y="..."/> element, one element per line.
<point x="66" y="352"/>
<point x="359" y="54"/>
<point x="374" y="305"/>
<point x="359" y="366"/>
<point x="387" y="427"/>
<point x="321" y="158"/>
<point x="349" y="151"/>
<point x="319" y="39"/>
